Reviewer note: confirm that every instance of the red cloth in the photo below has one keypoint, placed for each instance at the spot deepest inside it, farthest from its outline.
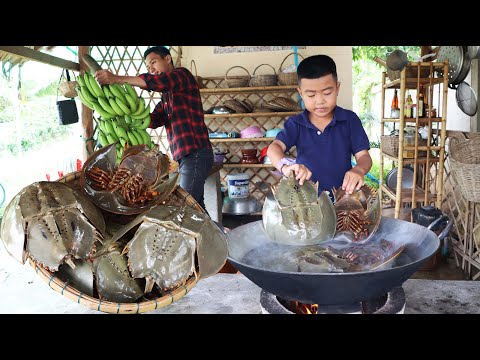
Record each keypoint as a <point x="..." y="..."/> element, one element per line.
<point x="180" y="111"/>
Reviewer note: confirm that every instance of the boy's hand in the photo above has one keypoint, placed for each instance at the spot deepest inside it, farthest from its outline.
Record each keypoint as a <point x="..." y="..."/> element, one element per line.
<point x="105" y="77"/>
<point x="353" y="180"/>
<point x="301" y="171"/>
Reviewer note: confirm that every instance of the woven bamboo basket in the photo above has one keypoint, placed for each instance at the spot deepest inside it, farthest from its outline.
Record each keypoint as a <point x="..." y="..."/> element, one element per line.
<point x="178" y="197"/>
<point x="389" y="145"/>
<point x="264" y="80"/>
<point x="465" y="167"/>
<point x="237" y="81"/>
<point x="290" y="78"/>
<point x="67" y="88"/>
<point x="199" y="79"/>
<point x="236" y="106"/>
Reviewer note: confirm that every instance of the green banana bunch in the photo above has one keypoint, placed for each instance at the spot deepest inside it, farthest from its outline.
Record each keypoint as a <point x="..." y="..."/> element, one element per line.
<point x="123" y="115"/>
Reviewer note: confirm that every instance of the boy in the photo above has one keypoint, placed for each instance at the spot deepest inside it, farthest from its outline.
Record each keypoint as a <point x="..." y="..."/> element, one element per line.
<point x="325" y="134"/>
<point x="180" y="111"/>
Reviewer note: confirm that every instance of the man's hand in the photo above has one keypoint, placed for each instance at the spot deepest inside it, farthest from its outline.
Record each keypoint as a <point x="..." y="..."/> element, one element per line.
<point x="301" y="171"/>
<point x="353" y="180"/>
<point x="105" y="77"/>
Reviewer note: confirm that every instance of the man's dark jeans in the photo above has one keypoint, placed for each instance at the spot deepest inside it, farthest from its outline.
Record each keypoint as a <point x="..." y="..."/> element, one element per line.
<point x="194" y="169"/>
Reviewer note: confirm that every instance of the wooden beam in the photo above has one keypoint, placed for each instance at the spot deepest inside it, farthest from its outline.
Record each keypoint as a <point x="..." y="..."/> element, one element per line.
<point x="41" y="57"/>
<point x="87" y="114"/>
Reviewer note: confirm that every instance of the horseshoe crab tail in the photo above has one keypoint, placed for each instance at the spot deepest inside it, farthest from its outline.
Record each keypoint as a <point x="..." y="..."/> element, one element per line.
<point x="149" y="284"/>
<point x="70" y="262"/>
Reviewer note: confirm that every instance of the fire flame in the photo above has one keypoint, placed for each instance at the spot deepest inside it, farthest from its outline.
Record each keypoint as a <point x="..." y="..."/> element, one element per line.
<point x="305" y="308"/>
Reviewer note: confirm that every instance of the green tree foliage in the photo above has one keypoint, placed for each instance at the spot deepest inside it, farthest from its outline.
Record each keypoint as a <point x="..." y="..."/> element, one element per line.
<point x="366" y="75"/>
<point x="369" y="52"/>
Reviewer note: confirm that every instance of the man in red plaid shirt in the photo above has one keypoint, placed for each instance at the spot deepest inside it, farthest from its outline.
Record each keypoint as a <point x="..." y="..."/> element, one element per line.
<point x="180" y="111"/>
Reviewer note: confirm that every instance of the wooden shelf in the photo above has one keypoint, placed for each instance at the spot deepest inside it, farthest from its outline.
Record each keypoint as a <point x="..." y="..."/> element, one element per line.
<point x="432" y="82"/>
<point x="413" y="120"/>
<point x="420" y="160"/>
<point x="253" y="115"/>
<point x="249" y="89"/>
<point x="406" y="196"/>
<point x="411" y="83"/>
<point x="240" y="165"/>
<point x="225" y="140"/>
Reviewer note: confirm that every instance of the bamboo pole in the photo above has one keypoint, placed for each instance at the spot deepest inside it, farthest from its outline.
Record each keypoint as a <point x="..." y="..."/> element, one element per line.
<point x="471" y="240"/>
<point x="382" y="132"/>
<point x="398" y="194"/>
<point x="87" y="114"/>
<point x="30" y="54"/>
<point x="415" y="162"/>
<point x="443" y="133"/>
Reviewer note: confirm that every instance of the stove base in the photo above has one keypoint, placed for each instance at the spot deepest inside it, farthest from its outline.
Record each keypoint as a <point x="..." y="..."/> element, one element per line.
<point x="391" y="303"/>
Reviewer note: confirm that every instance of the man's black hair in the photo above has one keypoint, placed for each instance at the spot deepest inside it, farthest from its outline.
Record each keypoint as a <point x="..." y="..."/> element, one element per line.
<point x="316" y="66"/>
<point x="160" y="50"/>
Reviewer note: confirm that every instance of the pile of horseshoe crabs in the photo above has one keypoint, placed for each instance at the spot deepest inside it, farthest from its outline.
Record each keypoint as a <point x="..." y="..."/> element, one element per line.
<point x="325" y="235"/>
<point x="114" y="235"/>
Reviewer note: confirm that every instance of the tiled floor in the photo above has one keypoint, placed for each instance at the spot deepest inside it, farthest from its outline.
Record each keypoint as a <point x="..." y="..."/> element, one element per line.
<point x="443" y="268"/>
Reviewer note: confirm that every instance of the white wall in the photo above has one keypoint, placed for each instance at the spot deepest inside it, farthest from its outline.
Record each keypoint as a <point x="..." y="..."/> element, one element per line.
<point x="456" y="118"/>
<point x="209" y="64"/>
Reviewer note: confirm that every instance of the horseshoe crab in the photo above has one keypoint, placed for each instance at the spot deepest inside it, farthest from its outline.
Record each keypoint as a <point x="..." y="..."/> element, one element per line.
<point x="112" y="278"/>
<point x="171" y="244"/>
<point x="358" y="214"/>
<point x="294" y="214"/>
<point x="363" y="257"/>
<point x="349" y="258"/>
<point x="141" y="180"/>
<point x="52" y="224"/>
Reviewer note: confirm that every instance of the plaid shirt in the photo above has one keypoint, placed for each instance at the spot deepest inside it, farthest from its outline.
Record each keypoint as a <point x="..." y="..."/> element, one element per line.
<point x="180" y="111"/>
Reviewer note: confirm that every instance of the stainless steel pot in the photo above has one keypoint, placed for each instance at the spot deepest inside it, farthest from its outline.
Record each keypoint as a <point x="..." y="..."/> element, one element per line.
<point x="240" y="206"/>
<point x="407" y="178"/>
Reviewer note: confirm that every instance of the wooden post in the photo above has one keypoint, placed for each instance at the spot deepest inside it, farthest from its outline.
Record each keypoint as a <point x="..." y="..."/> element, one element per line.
<point x="87" y="114"/>
<point x="398" y="194"/>
<point x="443" y="134"/>
<point x="382" y="130"/>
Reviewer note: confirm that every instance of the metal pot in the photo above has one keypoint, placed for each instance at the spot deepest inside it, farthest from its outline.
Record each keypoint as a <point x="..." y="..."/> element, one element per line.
<point x="335" y="288"/>
<point x="407" y="178"/>
<point x="240" y="206"/>
<point x="397" y="60"/>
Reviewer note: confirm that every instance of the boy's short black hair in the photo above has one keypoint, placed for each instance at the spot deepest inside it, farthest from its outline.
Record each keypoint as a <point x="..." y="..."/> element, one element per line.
<point x="316" y="66"/>
<point x="160" y="50"/>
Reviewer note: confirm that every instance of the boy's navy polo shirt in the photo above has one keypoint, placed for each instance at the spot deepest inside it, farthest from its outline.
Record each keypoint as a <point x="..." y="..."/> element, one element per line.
<point x="328" y="155"/>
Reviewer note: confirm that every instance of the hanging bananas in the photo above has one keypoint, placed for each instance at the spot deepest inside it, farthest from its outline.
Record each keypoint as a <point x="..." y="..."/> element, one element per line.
<point x="123" y="115"/>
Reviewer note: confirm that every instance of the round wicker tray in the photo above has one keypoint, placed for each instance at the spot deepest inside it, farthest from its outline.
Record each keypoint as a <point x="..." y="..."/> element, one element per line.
<point x="178" y="197"/>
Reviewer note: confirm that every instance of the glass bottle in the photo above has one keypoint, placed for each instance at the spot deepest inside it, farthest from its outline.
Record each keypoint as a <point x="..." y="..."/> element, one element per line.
<point x="395" y="111"/>
<point x="421" y="102"/>
<point x="408" y="106"/>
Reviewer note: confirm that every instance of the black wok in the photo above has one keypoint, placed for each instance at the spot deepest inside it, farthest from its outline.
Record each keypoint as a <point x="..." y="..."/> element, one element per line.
<point x="338" y="288"/>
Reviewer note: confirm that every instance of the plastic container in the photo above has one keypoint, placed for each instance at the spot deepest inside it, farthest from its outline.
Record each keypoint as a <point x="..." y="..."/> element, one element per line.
<point x="238" y="185"/>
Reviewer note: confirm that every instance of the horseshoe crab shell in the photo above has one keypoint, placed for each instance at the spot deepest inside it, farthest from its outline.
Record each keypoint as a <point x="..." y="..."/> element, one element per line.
<point x="112" y="278"/>
<point x="171" y="243"/>
<point x="294" y="214"/>
<point x="106" y="159"/>
<point x="52" y="224"/>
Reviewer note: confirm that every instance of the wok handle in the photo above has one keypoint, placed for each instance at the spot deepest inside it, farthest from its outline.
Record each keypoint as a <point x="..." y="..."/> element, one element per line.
<point x="446" y="230"/>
